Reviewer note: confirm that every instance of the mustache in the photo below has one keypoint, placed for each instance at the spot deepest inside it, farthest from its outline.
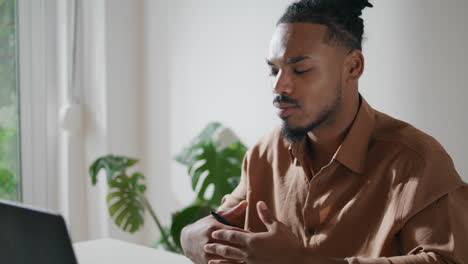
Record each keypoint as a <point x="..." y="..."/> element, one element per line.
<point x="284" y="99"/>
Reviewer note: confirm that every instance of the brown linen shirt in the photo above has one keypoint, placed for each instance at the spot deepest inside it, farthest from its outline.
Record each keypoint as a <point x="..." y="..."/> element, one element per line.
<point x="390" y="194"/>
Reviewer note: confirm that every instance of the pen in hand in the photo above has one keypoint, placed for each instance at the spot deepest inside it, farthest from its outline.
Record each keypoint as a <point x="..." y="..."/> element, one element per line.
<point x="222" y="220"/>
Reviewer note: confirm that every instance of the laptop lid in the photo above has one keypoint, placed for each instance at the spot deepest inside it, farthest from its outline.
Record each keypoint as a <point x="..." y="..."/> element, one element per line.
<point x="33" y="236"/>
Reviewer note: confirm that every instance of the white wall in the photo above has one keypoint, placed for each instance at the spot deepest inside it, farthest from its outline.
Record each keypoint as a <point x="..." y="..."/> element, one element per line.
<point x="156" y="119"/>
<point x="217" y="72"/>
<point x="124" y="81"/>
<point x="416" y="68"/>
<point x="205" y="61"/>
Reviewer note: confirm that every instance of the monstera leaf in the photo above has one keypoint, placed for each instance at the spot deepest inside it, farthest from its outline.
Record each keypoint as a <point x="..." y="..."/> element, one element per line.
<point x="125" y="199"/>
<point x="188" y="155"/>
<point x="212" y="161"/>
<point x="111" y="164"/>
<point x="125" y="202"/>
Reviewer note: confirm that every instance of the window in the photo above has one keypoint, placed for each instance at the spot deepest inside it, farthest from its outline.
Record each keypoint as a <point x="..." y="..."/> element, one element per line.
<point x="9" y="110"/>
<point x="28" y="101"/>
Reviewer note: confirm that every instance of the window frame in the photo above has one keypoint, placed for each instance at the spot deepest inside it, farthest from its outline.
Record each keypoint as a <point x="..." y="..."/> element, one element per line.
<point x="37" y="31"/>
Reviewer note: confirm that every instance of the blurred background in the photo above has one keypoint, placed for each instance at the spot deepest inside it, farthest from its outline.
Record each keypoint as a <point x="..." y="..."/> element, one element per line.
<point x="141" y="78"/>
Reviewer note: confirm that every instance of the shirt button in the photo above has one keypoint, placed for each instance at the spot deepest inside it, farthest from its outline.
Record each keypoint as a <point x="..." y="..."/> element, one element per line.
<point x="311" y="231"/>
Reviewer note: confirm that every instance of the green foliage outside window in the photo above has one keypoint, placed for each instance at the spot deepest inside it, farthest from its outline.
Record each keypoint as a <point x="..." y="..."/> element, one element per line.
<point x="9" y="165"/>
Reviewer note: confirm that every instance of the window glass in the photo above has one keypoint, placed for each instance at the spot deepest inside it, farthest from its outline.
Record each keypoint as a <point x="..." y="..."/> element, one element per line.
<point x="9" y="104"/>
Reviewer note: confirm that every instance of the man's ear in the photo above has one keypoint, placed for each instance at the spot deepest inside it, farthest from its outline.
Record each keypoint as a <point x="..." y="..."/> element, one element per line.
<point x="353" y="65"/>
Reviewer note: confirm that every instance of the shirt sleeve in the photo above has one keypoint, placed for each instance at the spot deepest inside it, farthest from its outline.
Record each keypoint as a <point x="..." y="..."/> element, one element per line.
<point x="435" y="229"/>
<point x="438" y="234"/>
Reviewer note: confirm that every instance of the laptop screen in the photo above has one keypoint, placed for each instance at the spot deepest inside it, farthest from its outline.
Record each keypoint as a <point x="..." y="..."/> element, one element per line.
<point x="33" y="236"/>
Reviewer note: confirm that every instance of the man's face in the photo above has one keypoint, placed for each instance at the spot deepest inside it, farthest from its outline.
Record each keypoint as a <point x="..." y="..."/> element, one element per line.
<point x="307" y="75"/>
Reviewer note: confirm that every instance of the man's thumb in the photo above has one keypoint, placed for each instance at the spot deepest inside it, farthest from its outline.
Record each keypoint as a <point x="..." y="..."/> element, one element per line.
<point x="234" y="211"/>
<point x="266" y="215"/>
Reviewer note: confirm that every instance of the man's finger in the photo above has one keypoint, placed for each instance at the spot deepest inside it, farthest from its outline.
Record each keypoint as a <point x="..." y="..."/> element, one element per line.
<point x="235" y="211"/>
<point x="219" y="261"/>
<point x="213" y="257"/>
<point x="225" y="251"/>
<point x="232" y="236"/>
<point x="266" y="215"/>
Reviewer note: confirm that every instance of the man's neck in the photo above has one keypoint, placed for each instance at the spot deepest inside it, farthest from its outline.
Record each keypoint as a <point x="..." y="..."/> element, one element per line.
<point x="324" y="141"/>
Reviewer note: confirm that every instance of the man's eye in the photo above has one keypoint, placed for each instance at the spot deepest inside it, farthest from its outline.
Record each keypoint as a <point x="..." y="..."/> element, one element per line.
<point x="297" y="72"/>
<point x="273" y="73"/>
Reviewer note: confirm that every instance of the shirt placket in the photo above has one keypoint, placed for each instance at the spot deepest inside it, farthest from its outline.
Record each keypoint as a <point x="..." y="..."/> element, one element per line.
<point x="311" y="210"/>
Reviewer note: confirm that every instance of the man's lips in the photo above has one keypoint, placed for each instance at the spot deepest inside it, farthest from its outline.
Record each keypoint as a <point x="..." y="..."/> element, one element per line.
<point x="285" y="110"/>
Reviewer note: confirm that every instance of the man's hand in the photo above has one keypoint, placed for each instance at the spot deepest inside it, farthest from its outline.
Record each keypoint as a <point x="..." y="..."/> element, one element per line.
<point x="277" y="245"/>
<point x="195" y="236"/>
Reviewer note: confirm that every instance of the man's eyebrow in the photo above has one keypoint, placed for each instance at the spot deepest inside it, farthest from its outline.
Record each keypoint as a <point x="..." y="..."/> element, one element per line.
<point x="296" y="59"/>
<point x="291" y="60"/>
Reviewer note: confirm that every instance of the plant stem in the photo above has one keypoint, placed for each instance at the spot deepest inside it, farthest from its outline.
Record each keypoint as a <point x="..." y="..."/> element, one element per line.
<point x="156" y="220"/>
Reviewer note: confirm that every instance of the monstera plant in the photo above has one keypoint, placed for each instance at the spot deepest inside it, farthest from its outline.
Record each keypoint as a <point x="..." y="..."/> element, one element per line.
<point x="213" y="158"/>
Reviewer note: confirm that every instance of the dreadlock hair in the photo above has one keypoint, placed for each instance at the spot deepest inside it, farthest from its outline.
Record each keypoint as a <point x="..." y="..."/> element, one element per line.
<point x="342" y="18"/>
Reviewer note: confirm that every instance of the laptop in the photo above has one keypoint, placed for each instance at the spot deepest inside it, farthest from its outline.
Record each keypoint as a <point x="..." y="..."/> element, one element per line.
<point x="32" y="236"/>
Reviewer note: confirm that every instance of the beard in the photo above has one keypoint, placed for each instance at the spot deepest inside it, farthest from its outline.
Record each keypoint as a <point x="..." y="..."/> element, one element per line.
<point x="296" y="134"/>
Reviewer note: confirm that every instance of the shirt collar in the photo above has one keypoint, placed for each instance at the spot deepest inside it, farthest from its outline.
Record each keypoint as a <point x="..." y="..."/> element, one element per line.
<point x="352" y="152"/>
<point x="294" y="150"/>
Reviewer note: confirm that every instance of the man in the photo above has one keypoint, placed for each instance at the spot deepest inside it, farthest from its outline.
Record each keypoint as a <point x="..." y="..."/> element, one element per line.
<point x="339" y="182"/>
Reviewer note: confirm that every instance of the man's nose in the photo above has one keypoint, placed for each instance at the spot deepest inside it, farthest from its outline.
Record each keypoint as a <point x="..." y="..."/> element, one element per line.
<point x="283" y="83"/>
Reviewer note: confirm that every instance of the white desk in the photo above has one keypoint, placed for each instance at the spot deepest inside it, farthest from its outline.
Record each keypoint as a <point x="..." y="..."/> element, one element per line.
<point x="110" y="251"/>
